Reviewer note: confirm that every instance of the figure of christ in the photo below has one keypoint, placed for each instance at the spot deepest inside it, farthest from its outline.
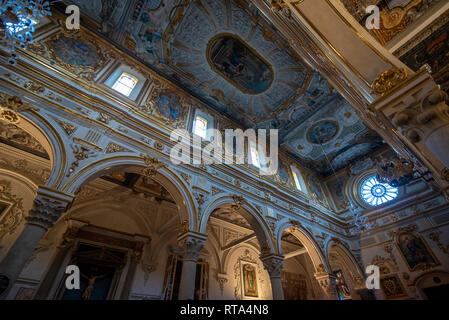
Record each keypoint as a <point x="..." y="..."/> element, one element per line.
<point x="90" y="285"/>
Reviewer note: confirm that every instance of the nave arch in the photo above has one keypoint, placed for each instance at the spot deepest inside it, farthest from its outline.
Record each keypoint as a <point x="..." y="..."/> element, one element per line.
<point x="135" y="164"/>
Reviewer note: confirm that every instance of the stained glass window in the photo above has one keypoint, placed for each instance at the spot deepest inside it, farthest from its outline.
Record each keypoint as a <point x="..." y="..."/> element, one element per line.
<point x="125" y="84"/>
<point x="200" y="127"/>
<point x="376" y="193"/>
<point x="342" y="288"/>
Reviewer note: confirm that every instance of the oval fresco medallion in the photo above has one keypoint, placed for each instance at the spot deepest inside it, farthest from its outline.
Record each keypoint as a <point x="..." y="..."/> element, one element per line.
<point x="76" y="53"/>
<point x="322" y="132"/>
<point x="239" y="64"/>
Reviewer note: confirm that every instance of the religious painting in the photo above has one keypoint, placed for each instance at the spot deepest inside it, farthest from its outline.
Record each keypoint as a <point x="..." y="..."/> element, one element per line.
<point x="323" y="131"/>
<point x="392" y="287"/>
<point x="342" y="287"/>
<point x="76" y="53"/>
<point x="169" y="106"/>
<point x="415" y="252"/>
<point x="99" y="271"/>
<point x="432" y="51"/>
<point x="249" y="280"/>
<point x="239" y="64"/>
<point x="95" y="283"/>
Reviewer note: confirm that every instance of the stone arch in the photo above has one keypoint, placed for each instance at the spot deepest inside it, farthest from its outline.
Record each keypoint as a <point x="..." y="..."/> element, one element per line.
<point x="132" y="163"/>
<point x="50" y="138"/>
<point x="422" y="281"/>
<point x="319" y="260"/>
<point x="346" y="255"/>
<point x="247" y="211"/>
<point x="96" y="208"/>
<point x="340" y="258"/>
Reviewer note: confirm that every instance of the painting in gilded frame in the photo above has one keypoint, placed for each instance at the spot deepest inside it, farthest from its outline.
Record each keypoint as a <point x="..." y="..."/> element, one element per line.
<point x="170" y="107"/>
<point x="249" y="280"/>
<point x="392" y="287"/>
<point x="76" y="53"/>
<point x="415" y="252"/>
<point x="239" y="64"/>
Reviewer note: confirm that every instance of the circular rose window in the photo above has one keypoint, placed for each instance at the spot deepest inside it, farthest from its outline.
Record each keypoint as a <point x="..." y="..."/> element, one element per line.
<point x="376" y="193"/>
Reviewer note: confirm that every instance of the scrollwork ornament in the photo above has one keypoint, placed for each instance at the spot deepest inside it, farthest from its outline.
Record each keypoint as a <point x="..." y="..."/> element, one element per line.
<point x="153" y="165"/>
<point x="13" y="215"/>
<point x="388" y="80"/>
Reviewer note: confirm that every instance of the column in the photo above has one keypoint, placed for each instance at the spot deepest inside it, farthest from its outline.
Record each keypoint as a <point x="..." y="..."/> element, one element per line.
<point x="47" y="208"/>
<point x="190" y="244"/>
<point x="134" y="260"/>
<point x="57" y="267"/>
<point x="328" y="284"/>
<point x="273" y="264"/>
<point x="420" y="117"/>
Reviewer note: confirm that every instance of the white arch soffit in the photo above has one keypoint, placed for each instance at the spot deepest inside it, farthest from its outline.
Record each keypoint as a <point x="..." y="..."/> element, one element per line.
<point x="132" y="163"/>
<point x="231" y="252"/>
<point x="30" y="184"/>
<point x="314" y="251"/>
<point x="247" y="210"/>
<point x="95" y="207"/>
<point x="50" y="139"/>
<point x="347" y="257"/>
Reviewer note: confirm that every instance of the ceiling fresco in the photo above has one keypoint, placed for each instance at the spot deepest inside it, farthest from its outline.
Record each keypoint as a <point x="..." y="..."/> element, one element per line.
<point x="226" y="54"/>
<point x="432" y="50"/>
<point x="331" y="138"/>
<point x="395" y="15"/>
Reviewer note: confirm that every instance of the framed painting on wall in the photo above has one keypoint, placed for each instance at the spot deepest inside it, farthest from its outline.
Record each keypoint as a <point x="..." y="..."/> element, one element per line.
<point x="415" y="252"/>
<point x="249" y="280"/>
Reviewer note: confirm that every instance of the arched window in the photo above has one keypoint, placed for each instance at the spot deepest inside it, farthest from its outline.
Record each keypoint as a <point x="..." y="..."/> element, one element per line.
<point x="376" y="193"/>
<point x="125" y="84"/>
<point x="200" y="127"/>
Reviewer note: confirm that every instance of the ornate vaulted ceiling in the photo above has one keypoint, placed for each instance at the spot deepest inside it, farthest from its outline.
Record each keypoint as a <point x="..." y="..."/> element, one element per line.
<point x="227" y="55"/>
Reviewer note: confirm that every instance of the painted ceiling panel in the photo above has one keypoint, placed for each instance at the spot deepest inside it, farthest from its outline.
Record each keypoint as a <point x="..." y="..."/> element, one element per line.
<point x="227" y="55"/>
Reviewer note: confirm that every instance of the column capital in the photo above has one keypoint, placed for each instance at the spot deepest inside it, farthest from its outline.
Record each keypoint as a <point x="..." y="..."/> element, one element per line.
<point x="273" y="264"/>
<point x="190" y="245"/>
<point x="48" y="206"/>
<point x="328" y="284"/>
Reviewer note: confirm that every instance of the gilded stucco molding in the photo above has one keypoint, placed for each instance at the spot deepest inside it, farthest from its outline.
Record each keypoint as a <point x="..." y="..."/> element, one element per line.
<point x="11" y="106"/>
<point x="12" y="213"/>
<point x="388" y="80"/>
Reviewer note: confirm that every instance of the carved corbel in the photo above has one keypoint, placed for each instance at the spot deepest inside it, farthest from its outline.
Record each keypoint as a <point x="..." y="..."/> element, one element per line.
<point x="222" y="279"/>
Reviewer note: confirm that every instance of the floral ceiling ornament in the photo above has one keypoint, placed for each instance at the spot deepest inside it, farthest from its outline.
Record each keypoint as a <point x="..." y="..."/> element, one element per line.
<point x="17" y="21"/>
<point x="395" y="172"/>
